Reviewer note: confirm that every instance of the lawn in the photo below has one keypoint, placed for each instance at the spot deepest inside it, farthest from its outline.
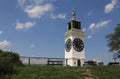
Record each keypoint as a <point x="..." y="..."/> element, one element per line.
<point x="61" y="72"/>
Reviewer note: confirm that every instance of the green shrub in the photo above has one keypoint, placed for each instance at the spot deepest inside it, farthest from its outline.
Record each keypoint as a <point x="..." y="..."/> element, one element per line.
<point x="7" y="61"/>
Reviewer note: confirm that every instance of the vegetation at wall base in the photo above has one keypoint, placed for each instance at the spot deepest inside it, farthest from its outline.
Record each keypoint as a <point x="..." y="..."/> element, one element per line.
<point x="61" y="72"/>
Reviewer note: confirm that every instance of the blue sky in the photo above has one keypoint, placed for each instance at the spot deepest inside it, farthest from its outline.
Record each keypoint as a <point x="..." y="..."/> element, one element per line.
<point x="37" y="27"/>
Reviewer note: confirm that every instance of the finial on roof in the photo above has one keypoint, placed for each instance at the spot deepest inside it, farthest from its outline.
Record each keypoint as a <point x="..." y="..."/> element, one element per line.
<point x="73" y="15"/>
<point x="73" y="12"/>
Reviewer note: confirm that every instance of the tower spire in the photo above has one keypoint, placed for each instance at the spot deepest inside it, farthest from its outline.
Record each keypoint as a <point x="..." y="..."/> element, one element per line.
<point x="74" y="15"/>
<point x="73" y="12"/>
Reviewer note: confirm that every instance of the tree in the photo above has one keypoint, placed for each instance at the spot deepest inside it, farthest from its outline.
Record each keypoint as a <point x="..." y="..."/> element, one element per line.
<point x="8" y="60"/>
<point x="113" y="40"/>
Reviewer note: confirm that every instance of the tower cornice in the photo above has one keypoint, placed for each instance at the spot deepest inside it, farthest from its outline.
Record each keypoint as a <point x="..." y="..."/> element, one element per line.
<point x="75" y="32"/>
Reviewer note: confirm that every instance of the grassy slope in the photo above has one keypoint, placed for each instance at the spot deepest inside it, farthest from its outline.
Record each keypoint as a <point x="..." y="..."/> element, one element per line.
<point x="56" y="72"/>
<point x="107" y="72"/>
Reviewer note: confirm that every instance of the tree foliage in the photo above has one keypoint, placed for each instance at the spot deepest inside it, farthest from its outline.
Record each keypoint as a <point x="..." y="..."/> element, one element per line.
<point x="113" y="40"/>
<point x="8" y="60"/>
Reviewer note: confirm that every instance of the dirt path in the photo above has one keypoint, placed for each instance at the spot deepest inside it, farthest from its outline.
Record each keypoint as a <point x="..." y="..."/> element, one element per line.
<point x="87" y="74"/>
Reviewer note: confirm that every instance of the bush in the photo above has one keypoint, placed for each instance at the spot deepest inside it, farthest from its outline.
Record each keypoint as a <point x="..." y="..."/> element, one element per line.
<point x="8" y="60"/>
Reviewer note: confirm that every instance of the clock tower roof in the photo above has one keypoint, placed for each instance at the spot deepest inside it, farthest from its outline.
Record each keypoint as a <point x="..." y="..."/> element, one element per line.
<point x="74" y="22"/>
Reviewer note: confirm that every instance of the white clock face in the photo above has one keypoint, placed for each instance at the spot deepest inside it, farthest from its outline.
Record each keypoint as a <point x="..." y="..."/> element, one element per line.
<point x="78" y="44"/>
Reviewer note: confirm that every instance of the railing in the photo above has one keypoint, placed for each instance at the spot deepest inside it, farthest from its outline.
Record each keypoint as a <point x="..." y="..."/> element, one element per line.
<point x="42" y="60"/>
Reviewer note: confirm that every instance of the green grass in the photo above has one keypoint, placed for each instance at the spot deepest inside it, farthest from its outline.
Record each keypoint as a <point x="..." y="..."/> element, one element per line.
<point x="59" y="72"/>
<point x="106" y="72"/>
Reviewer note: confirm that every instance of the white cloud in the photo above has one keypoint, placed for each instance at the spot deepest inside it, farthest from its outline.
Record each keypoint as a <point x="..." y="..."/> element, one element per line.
<point x="27" y="25"/>
<point x="59" y="16"/>
<point x="94" y="26"/>
<point x="84" y="29"/>
<point x="5" y="43"/>
<point x="91" y="26"/>
<point x="89" y="36"/>
<point x="103" y="23"/>
<point x="38" y="11"/>
<point x="109" y="7"/>
<point x="99" y="24"/>
<point x="38" y="8"/>
<point x="35" y="2"/>
<point x="1" y="32"/>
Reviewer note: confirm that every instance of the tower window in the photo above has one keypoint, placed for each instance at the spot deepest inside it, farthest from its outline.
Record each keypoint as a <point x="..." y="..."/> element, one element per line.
<point x="69" y="26"/>
<point x="76" y="24"/>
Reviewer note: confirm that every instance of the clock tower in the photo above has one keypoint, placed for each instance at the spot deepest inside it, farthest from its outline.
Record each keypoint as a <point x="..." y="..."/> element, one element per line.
<point x="74" y="43"/>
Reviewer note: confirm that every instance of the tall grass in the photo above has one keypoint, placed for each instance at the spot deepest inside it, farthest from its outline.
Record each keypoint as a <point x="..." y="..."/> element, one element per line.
<point x="60" y="72"/>
<point x="106" y="72"/>
<point x="47" y="72"/>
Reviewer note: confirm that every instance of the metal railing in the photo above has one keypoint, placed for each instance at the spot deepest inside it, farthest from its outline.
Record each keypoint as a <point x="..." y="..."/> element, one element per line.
<point x="42" y="60"/>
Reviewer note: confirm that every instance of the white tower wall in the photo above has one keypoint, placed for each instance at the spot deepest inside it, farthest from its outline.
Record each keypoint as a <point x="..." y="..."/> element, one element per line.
<point x="72" y="57"/>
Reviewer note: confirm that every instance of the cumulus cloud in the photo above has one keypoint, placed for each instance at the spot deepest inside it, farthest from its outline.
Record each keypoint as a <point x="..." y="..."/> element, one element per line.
<point x="99" y="24"/>
<point x="38" y="8"/>
<point x="5" y="43"/>
<point x="27" y="25"/>
<point x="109" y="7"/>
<point x="38" y="11"/>
<point x="103" y="23"/>
<point x="1" y="32"/>
<point x="92" y="26"/>
<point x="35" y="8"/>
<point x="59" y="16"/>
